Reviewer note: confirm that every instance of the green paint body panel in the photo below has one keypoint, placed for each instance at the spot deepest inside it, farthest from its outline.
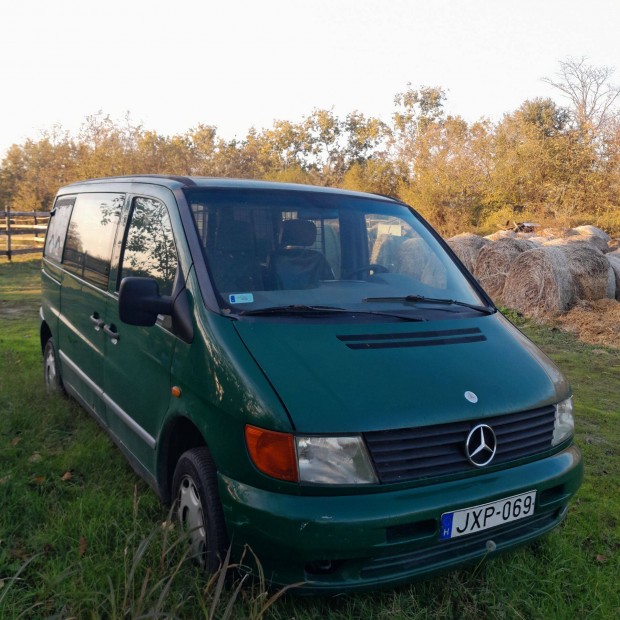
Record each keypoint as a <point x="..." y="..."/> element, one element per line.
<point x="298" y="374"/>
<point x="330" y="388"/>
<point x="287" y="531"/>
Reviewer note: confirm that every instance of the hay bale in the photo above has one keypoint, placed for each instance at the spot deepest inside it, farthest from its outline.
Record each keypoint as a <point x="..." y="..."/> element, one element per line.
<point x="612" y="287"/>
<point x="501" y="234"/>
<point x="416" y="259"/>
<point x="493" y="263"/>
<point x="557" y="233"/>
<point x="613" y="245"/>
<point x="614" y="263"/>
<point x="589" y="230"/>
<point x="590" y="270"/>
<point x="537" y="240"/>
<point x="467" y="246"/>
<point x="584" y="239"/>
<point x="385" y="251"/>
<point x="539" y="283"/>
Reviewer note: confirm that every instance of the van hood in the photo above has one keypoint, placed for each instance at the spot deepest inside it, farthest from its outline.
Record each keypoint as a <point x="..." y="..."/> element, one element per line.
<point x="354" y="377"/>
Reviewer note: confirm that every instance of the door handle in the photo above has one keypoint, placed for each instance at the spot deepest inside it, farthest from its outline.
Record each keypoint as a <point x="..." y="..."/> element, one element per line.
<point x="96" y="321"/>
<point x="110" y="330"/>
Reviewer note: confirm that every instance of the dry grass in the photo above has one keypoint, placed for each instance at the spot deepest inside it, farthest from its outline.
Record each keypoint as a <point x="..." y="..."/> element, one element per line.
<point x="594" y="322"/>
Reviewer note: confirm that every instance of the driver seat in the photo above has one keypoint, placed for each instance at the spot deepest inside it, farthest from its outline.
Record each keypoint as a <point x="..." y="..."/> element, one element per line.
<point x="294" y="265"/>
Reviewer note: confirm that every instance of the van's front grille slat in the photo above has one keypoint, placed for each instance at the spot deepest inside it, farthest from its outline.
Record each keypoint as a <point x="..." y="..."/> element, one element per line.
<point x="408" y="454"/>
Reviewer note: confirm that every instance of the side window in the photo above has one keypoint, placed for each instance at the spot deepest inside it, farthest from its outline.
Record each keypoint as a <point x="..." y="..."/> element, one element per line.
<point x="57" y="229"/>
<point x="91" y="235"/>
<point x="149" y="248"/>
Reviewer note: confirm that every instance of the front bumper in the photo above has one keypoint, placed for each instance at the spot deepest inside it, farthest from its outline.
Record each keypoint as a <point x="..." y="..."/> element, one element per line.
<point x="349" y="542"/>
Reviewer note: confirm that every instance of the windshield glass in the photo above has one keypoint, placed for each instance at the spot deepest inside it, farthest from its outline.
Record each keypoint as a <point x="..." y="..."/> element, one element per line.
<point x="272" y="249"/>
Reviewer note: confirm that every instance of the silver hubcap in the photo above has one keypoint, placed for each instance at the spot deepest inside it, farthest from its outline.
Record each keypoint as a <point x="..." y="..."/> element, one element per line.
<point x="192" y="519"/>
<point x="50" y="370"/>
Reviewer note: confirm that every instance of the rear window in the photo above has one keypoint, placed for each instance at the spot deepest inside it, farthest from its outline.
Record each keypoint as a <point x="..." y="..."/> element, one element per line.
<point x="90" y="236"/>
<point x="57" y="229"/>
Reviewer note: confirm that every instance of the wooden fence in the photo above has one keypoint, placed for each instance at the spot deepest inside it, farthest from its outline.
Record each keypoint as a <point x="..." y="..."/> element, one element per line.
<point x="24" y="232"/>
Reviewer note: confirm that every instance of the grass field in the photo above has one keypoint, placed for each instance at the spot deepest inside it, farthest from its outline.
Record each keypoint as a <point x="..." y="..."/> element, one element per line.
<point x="82" y="537"/>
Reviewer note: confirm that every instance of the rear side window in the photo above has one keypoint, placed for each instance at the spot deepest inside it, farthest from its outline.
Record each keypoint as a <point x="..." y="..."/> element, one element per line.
<point x="57" y="229"/>
<point x="149" y="248"/>
<point x="90" y="236"/>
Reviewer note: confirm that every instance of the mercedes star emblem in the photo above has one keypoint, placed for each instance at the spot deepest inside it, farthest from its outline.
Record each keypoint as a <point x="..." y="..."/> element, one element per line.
<point x="480" y="445"/>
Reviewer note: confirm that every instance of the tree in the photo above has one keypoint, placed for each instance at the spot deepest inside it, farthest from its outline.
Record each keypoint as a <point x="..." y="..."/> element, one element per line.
<point x="589" y="91"/>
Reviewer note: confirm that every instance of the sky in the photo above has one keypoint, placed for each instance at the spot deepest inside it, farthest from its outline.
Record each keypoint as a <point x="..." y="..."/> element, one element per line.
<point x="238" y="64"/>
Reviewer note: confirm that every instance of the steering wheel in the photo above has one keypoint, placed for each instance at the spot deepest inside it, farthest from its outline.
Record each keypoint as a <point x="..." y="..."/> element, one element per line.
<point x="367" y="268"/>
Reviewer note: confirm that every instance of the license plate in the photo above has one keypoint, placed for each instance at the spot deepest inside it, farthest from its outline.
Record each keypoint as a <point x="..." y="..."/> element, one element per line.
<point x="486" y="516"/>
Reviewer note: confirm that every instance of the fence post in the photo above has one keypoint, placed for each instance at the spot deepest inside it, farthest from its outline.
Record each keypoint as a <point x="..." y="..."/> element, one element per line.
<point x="8" y="232"/>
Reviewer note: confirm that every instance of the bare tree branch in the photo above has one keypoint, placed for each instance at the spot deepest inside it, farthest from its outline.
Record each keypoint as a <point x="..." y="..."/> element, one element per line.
<point x="589" y="90"/>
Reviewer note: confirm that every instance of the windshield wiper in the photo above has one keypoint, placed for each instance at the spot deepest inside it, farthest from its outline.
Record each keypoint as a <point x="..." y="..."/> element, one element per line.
<point x="305" y="309"/>
<point x="433" y="300"/>
<point x="291" y="309"/>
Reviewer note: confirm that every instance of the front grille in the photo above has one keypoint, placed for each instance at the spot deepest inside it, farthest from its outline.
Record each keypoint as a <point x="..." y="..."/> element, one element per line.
<point x="408" y="454"/>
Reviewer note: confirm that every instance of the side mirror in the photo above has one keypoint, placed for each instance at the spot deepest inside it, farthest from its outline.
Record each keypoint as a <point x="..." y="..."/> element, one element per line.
<point x="139" y="301"/>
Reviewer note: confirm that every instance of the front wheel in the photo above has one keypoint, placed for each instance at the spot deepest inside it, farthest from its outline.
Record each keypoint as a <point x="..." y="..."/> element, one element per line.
<point x="198" y="508"/>
<point x="51" y="371"/>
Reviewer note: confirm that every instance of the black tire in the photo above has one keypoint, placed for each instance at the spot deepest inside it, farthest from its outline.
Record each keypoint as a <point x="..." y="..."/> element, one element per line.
<point x="198" y="508"/>
<point x="51" y="370"/>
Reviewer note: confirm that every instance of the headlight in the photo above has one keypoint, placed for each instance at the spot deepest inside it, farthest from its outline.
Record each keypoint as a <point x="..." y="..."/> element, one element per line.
<point x="564" y="426"/>
<point x="334" y="460"/>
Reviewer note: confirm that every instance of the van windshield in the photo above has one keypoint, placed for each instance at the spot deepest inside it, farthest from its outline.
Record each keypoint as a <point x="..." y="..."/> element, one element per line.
<point x="271" y="251"/>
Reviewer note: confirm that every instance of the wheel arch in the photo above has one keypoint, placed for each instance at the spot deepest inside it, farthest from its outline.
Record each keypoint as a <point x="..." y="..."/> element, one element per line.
<point x="45" y="333"/>
<point x="178" y="436"/>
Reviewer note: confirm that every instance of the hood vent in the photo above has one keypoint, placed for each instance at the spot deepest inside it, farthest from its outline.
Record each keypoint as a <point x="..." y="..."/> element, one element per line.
<point x="413" y="339"/>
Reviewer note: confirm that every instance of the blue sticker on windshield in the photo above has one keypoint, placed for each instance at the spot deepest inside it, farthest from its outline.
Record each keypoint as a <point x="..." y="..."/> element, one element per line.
<point x="241" y="298"/>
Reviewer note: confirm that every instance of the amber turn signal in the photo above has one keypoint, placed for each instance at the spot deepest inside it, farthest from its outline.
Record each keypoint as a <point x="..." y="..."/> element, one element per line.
<point x="272" y="452"/>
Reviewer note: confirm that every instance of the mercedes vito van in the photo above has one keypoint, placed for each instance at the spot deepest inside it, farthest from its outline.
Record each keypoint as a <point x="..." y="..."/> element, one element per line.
<point x="307" y="371"/>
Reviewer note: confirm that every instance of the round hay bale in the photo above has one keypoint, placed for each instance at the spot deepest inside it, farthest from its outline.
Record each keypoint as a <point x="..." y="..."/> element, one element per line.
<point x="494" y="261"/>
<point x="385" y="251"/>
<point x="594" y="231"/>
<point x="557" y="233"/>
<point x="415" y="258"/>
<point x="501" y="234"/>
<point x="588" y="240"/>
<point x="614" y="263"/>
<point x="590" y="270"/>
<point x="539" y="283"/>
<point x="613" y="245"/>
<point x="612" y="287"/>
<point x="467" y="246"/>
<point x="537" y="240"/>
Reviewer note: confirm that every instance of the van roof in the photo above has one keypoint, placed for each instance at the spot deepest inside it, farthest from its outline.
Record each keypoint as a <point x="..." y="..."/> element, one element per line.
<point x="184" y="182"/>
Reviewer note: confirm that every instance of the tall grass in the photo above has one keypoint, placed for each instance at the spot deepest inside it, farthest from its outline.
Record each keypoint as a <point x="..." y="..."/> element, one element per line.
<point x="82" y="537"/>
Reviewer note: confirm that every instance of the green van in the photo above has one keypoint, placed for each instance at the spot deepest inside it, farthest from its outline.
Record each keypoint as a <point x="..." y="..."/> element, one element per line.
<point x="307" y="371"/>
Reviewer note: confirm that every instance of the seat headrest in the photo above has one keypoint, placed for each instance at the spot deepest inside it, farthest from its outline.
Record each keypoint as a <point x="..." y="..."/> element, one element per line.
<point x="234" y="235"/>
<point x="298" y="233"/>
